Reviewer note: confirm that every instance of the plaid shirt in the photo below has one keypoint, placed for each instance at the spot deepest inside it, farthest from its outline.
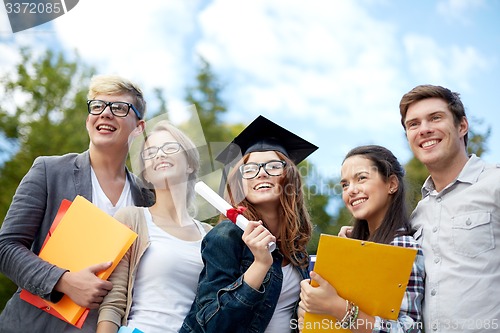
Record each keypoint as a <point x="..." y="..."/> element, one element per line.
<point x="410" y="315"/>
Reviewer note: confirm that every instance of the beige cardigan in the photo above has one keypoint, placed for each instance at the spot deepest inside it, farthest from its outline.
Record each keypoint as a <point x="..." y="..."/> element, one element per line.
<point x="116" y="305"/>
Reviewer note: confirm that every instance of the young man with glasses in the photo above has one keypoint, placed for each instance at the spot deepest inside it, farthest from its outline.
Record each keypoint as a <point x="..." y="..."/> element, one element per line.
<point x="98" y="174"/>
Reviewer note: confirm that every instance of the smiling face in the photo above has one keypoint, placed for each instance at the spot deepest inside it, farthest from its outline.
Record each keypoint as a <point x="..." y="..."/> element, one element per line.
<point x="165" y="169"/>
<point x="263" y="189"/>
<point x="109" y="132"/>
<point x="433" y="136"/>
<point x="364" y="191"/>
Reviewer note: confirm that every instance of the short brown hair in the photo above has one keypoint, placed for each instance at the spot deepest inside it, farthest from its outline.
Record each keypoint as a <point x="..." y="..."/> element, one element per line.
<point x="425" y="91"/>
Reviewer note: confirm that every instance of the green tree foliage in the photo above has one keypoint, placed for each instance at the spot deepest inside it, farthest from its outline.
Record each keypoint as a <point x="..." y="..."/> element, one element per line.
<point x="158" y="93"/>
<point x="46" y="94"/>
<point x="42" y="113"/>
<point x="477" y="143"/>
<point x="320" y="194"/>
<point x="205" y="94"/>
<point x="416" y="174"/>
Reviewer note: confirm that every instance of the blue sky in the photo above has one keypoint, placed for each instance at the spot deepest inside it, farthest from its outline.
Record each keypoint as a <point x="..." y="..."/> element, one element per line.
<point x="333" y="71"/>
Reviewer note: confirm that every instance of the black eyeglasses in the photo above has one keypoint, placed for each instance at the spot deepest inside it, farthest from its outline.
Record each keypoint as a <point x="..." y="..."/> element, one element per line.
<point x="272" y="168"/>
<point x="168" y="148"/>
<point x="118" y="109"/>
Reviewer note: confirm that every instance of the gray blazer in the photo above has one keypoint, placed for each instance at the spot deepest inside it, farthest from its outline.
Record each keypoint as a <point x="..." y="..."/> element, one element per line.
<point x="34" y="206"/>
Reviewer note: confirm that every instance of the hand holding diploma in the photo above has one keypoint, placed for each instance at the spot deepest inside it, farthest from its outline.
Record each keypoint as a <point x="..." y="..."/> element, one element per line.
<point x="225" y="208"/>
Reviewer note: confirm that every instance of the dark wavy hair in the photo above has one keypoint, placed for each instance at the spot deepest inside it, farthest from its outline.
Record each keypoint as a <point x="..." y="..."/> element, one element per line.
<point x="396" y="221"/>
<point x="295" y="227"/>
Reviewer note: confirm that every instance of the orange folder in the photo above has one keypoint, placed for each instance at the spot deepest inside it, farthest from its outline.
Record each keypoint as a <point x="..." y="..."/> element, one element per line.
<point x="36" y="300"/>
<point x="373" y="276"/>
<point x="81" y="235"/>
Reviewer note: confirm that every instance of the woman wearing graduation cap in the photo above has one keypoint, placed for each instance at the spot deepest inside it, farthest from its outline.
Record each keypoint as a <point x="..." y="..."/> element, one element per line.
<point x="244" y="287"/>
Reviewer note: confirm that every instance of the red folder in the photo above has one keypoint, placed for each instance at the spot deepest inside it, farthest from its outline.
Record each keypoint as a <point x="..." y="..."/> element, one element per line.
<point x="75" y="226"/>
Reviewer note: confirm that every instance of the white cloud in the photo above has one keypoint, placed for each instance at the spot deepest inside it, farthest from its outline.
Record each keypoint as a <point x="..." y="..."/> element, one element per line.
<point x="458" y="10"/>
<point x="450" y="65"/>
<point x="10" y="56"/>
<point x="330" y="59"/>
<point x="5" y="28"/>
<point x="145" y="41"/>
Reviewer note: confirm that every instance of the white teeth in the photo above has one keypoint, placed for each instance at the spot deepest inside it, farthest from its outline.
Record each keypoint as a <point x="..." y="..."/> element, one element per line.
<point x="164" y="165"/>
<point x="106" y="127"/>
<point x="262" y="185"/>
<point x="429" y="143"/>
<point x="357" y="202"/>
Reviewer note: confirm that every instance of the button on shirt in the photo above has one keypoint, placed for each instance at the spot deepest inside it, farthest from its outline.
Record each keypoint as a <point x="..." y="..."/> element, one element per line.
<point x="459" y="231"/>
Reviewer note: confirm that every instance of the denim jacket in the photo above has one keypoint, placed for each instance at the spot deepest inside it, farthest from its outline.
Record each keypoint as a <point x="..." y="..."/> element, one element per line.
<point x="224" y="302"/>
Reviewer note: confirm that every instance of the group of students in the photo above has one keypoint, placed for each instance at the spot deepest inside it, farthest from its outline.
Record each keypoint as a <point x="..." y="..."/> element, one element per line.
<point x="181" y="275"/>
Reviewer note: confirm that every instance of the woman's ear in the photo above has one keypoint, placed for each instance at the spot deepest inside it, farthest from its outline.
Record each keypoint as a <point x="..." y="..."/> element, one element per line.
<point x="393" y="184"/>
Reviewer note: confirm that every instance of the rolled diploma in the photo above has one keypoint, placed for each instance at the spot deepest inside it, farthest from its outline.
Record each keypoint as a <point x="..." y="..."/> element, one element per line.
<point x="223" y="206"/>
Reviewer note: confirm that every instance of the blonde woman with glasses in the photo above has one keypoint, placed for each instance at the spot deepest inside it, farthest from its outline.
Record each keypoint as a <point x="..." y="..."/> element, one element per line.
<point x="155" y="284"/>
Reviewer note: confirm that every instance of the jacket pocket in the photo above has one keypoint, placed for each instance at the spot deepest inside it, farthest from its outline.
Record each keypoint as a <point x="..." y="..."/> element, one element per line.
<point x="472" y="233"/>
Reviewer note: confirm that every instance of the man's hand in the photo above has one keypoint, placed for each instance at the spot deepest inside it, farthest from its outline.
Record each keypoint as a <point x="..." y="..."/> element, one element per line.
<point x="84" y="287"/>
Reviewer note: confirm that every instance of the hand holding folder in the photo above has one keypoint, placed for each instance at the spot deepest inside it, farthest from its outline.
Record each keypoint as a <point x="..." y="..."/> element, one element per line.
<point x="373" y="276"/>
<point x="81" y="236"/>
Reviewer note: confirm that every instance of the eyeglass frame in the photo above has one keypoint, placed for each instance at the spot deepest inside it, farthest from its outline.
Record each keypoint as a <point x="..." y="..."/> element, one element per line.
<point x="262" y="166"/>
<point x="179" y="147"/>
<point x="109" y="104"/>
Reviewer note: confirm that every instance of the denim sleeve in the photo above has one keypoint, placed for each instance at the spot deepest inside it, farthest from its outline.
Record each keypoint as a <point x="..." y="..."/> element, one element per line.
<point x="20" y="228"/>
<point x="410" y="314"/>
<point x="224" y="301"/>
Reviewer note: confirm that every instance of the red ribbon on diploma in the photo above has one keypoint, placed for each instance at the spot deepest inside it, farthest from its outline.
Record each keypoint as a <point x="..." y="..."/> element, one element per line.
<point x="232" y="213"/>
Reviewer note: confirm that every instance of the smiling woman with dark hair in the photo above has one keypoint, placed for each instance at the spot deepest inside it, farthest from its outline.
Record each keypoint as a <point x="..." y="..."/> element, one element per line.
<point x="373" y="190"/>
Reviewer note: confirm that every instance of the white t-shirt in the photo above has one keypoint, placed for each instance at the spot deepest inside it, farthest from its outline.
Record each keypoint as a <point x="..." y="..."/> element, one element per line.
<point x="290" y="290"/>
<point x="166" y="281"/>
<point x="100" y="199"/>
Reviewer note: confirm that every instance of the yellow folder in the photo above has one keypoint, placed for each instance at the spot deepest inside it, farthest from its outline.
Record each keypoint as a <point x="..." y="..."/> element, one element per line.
<point x="373" y="276"/>
<point x="85" y="236"/>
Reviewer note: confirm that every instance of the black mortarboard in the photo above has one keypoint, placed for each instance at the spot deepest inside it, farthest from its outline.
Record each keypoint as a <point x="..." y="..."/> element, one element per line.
<point x="264" y="135"/>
